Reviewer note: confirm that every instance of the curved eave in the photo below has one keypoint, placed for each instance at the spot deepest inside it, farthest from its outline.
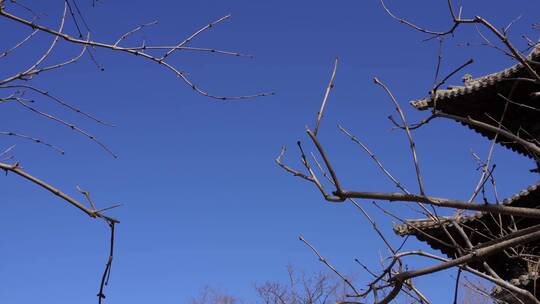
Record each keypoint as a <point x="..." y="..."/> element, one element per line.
<point x="528" y="198"/>
<point x="475" y="85"/>
<point x="480" y="99"/>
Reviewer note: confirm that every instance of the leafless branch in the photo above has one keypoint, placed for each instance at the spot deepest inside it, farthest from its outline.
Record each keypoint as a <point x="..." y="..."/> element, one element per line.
<point x="134" y="51"/>
<point x="412" y="144"/>
<point x="325" y="98"/>
<point x="324" y="261"/>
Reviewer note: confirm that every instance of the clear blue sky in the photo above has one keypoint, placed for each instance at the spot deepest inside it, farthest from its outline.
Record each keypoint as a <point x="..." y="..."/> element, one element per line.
<point x="204" y="202"/>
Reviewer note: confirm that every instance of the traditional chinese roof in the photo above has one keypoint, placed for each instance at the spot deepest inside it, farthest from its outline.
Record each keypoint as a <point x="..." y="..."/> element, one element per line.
<point x="480" y="100"/>
<point x="480" y="227"/>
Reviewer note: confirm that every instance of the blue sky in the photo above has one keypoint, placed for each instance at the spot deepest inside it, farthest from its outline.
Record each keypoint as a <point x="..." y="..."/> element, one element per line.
<point x="204" y="202"/>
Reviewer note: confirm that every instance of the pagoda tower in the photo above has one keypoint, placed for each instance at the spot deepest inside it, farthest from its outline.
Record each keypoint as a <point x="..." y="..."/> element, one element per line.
<point x="508" y="101"/>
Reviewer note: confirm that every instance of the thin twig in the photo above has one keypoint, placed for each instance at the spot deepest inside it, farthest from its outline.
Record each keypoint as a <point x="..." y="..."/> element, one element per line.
<point x="325" y="262"/>
<point x="325" y="98"/>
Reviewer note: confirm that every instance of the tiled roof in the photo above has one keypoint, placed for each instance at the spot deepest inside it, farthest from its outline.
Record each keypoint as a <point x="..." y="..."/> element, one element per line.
<point x="528" y="198"/>
<point x="478" y="99"/>
<point x="480" y="227"/>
